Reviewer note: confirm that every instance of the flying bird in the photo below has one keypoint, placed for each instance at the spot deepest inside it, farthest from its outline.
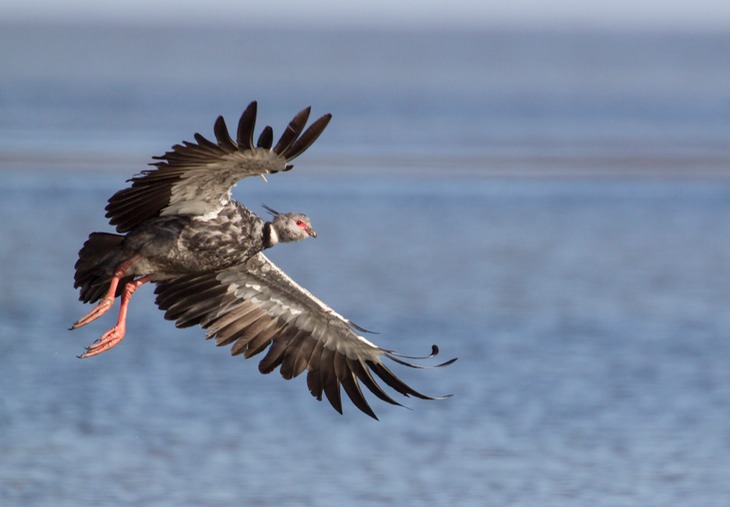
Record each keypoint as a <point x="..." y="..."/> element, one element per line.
<point x="180" y="229"/>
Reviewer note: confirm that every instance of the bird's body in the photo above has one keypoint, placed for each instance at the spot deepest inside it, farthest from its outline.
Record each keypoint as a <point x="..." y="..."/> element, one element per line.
<point x="181" y="229"/>
<point x="178" y="244"/>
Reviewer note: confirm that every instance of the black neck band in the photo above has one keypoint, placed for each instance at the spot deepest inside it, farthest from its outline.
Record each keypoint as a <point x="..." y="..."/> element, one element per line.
<point x="266" y="240"/>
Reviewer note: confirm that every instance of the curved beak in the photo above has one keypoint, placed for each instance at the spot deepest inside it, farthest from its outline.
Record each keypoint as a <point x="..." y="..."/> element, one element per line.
<point x="312" y="233"/>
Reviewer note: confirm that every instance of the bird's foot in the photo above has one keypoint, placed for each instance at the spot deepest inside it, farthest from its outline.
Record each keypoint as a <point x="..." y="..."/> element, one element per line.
<point x="107" y="341"/>
<point x="94" y="314"/>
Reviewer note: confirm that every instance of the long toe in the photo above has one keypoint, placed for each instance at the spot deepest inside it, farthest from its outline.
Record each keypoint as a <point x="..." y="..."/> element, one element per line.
<point x="107" y="341"/>
<point x="99" y="310"/>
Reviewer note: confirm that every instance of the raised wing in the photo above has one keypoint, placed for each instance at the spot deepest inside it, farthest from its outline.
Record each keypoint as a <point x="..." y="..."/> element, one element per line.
<point x="197" y="178"/>
<point x="256" y="305"/>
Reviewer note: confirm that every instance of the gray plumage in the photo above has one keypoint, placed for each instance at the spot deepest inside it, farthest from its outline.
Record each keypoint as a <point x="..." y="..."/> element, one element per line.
<point x="182" y="230"/>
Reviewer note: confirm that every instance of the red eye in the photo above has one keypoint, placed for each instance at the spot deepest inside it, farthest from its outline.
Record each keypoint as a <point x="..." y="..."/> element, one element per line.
<point x="301" y="223"/>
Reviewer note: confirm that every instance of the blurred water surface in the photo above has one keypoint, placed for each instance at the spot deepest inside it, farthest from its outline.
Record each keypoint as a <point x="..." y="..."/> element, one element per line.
<point x="577" y="265"/>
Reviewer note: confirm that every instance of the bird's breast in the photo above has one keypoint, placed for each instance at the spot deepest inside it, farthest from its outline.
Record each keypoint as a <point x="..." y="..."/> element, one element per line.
<point x="219" y="242"/>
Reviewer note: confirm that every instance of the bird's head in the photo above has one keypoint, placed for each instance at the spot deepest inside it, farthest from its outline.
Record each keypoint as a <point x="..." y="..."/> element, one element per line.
<point x="290" y="226"/>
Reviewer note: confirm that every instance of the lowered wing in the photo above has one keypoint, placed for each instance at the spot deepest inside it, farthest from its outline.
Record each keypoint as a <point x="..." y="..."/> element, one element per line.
<point x="255" y="305"/>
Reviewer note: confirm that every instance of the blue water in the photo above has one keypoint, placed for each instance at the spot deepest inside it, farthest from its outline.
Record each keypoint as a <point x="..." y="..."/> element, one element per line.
<point x="552" y="209"/>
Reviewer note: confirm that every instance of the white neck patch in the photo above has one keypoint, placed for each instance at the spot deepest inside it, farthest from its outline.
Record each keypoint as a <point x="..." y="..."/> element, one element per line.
<point x="273" y="237"/>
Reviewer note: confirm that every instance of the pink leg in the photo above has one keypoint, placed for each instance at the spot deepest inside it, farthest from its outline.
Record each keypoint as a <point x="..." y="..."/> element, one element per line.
<point x="107" y="301"/>
<point x="116" y="334"/>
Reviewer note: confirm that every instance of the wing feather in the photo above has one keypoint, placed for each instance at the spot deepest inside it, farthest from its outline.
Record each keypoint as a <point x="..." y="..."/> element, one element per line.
<point x="275" y="355"/>
<point x="363" y="374"/>
<point x="314" y="384"/>
<point x="223" y="136"/>
<point x="246" y="125"/>
<point x="237" y="329"/>
<point x="305" y="140"/>
<point x="328" y="378"/>
<point x="242" y="314"/>
<point x="352" y="388"/>
<point x="196" y="178"/>
<point x="259" y="335"/>
<point x="293" y="130"/>
<point x="266" y="139"/>
<point x="255" y="305"/>
<point x="300" y="351"/>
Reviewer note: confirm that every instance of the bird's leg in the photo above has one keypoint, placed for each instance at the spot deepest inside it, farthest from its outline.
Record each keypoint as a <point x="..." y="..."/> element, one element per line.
<point x="108" y="300"/>
<point x="116" y="334"/>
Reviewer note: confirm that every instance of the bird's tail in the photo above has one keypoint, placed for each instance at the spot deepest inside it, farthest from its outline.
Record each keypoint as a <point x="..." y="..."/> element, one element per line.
<point x="97" y="259"/>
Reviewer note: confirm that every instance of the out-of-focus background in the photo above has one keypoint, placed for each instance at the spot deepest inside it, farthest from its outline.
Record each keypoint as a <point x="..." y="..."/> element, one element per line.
<point x="543" y="189"/>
